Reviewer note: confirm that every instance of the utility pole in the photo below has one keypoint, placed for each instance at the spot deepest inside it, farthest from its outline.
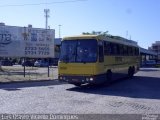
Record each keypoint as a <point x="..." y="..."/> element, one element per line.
<point x="46" y="12"/>
<point x="59" y="31"/>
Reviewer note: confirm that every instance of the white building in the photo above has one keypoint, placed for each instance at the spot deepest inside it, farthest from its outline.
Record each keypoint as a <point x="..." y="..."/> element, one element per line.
<point x="156" y="48"/>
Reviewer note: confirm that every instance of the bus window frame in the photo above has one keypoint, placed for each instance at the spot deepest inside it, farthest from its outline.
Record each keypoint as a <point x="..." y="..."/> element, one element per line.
<point x="100" y="51"/>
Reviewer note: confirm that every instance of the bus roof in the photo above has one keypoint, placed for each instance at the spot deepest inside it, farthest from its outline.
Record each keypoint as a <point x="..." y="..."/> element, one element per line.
<point x="109" y="38"/>
<point x="80" y="37"/>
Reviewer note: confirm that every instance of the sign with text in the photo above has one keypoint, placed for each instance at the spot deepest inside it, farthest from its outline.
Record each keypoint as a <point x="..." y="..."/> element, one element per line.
<point x="26" y="42"/>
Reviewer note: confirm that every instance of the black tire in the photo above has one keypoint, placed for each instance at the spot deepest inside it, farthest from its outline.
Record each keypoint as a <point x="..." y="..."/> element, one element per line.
<point x="133" y="68"/>
<point x="109" y="76"/>
<point x="77" y="84"/>
<point x="130" y="72"/>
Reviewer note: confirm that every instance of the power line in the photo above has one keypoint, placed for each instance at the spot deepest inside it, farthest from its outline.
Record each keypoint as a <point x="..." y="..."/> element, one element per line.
<point x="20" y="5"/>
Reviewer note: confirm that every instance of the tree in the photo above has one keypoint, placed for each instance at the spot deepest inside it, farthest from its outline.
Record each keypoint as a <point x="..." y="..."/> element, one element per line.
<point x="96" y="33"/>
<point x="103" y="34"/>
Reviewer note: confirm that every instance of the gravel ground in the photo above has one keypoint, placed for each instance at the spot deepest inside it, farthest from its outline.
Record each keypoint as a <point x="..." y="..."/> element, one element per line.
<point x="139" y="95"/>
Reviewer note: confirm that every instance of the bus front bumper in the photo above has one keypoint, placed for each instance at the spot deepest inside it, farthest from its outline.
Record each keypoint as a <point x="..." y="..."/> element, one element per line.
<point x="77" y="79"/>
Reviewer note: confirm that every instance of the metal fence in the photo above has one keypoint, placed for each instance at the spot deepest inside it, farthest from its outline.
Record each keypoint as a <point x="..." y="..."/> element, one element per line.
<point x="21" y="73"/>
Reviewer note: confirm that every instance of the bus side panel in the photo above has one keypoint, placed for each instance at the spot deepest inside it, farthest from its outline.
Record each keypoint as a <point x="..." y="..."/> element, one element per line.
<point x="119" y="65"/>
<point x="77" y="69"/>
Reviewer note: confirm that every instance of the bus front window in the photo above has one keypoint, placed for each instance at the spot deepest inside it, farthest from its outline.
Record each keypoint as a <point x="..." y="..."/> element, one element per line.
<point x="81" y="51"/>
<point x="68" y="49"/>
<point x="86" y="51"/>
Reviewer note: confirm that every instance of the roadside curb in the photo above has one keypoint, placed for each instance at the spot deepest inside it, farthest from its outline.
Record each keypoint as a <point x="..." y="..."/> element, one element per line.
<point x="29" y="81"/>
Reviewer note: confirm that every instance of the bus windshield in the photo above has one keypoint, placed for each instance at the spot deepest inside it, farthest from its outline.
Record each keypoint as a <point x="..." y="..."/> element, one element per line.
<point x="80" y="51"/>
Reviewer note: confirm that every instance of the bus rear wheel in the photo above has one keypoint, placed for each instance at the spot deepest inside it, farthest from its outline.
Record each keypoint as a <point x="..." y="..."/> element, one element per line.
<point x="131" y="71"/>
<point x="109" y="76"/>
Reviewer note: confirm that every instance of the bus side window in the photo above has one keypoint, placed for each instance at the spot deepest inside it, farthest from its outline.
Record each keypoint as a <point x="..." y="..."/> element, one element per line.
<point x="121" y="50"/>
<point x="129" y="50"/>
<point x="136" y="51"/>
<point x="115" y="52"/>
<point x="133" y="51"/>
<point x="101" y="54"/>
<point x="107" y="48"/>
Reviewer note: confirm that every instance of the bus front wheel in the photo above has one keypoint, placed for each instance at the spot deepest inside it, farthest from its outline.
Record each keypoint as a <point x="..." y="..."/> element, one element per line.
<point x="77" y="84"/>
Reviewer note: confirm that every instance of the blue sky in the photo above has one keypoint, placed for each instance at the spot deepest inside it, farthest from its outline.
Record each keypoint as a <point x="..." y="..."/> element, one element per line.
<point x="135" y="19"/>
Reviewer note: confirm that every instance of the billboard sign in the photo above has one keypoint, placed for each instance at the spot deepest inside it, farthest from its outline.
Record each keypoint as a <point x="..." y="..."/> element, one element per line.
<point x="26" y="42"/>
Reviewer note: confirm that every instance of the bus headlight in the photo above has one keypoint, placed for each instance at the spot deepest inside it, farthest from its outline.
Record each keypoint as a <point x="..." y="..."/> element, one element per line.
<point x="91" y="79"/>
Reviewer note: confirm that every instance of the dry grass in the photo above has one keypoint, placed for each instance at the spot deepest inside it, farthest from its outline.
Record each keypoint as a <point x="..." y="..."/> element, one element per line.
<point x="11" y="68"/>
<point x="12" y="74"/>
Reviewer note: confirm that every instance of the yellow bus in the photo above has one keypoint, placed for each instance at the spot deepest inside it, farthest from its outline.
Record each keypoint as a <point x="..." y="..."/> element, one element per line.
<point x="97" y="59"/>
